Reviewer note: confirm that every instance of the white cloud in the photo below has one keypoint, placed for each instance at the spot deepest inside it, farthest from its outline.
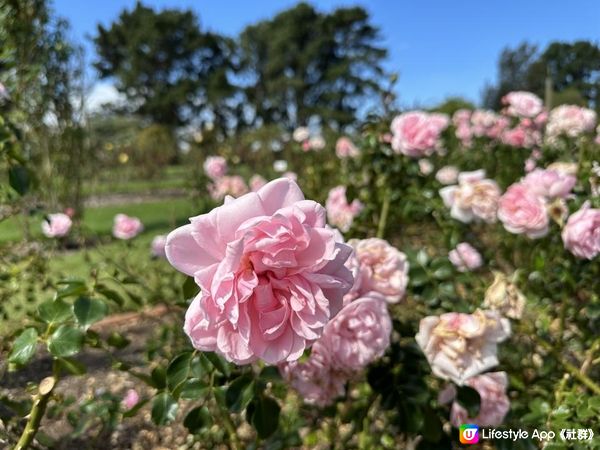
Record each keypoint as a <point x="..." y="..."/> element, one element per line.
<point x="102" y="93"/>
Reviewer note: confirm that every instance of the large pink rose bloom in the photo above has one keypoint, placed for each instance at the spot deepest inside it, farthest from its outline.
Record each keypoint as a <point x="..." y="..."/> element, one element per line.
<point x="465" y="258"/>
<point x="126" y="227"/>
<point x="581" y="234"/>
<point x="523" y="212"/>
<point x="550" y="184"/>
<point x="417" y="133"/>
<point x="494" y="404"/>
<point x="271" y="272"/>
<point x="381" y="268"/>
<point x="570" y="120"/>
<point x="215" y="167"/>
<point x="315" y="379"/>
<point x="523" y="104"/>
<point x="359" y="334"/>
<point x="56" y="225"/>
<point x="459" y="346"/>
<point x="340" y="213"/>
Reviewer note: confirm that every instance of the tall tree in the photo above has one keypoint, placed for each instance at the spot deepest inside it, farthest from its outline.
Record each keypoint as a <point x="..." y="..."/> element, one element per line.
<point x="170" y="70"/>
<point x="303" y="63"/>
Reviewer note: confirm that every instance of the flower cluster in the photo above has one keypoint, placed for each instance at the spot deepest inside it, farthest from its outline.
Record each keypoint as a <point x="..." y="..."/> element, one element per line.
<point x="340" y="213"/>
<point x="474" y="198"/>
<point x="418" y="133"/>
<point x="570" y="120"/>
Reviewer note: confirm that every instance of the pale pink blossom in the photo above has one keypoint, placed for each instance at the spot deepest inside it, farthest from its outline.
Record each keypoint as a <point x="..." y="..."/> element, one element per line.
<point x="522" y="104"/>
<point x="581" y="234"/>
<point x="522" y="211"/>
<point x="530" y="165"/>
<point x="157" y="246"/>
<point x="315" y="379"/>
<point x="270" y="271"/>
<point x="570" y="120"/>
<point x="521" y="136"/>
<point x="494" y="403"/>
<point x="504" y="296"/>
<point x="340" y="213"/>
<point x="474" y="198"/>
<point x="301" y="134"/>
<point x="417" y="133"/>
<point x="56" y="225"/>
<point x="256" y="182"/>
<point x="316" y="142"/>
<point x="234" y="186"/>
<point x="215" y="167"/>
<point x="382" y="268"/>
<point x="425" y="166"/>
<point x="345" y="148"/>
<point x="131" y="399"/>
<point x="126" y="227"/>
<point x="359" y="334"/>
<point x="447" y="175"/>
<point x="465" y="258"/>
<point x="550" y="184"/>
<point x="459" y="346"/>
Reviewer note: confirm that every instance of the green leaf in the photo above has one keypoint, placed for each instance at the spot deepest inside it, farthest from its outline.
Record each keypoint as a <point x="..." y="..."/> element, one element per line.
<point x="265" y="416"/>
<point x="197" y="419"/>
<point x="55" y="311"/>
<point x="193" y="389"/>
<point x="73" y="288"/>
<point x="159" y="377"/>
<point x="24" y="347"/>
<point x="239" y="393"/>
<point x="178" y="371"/>
<point x="110" y="294"/>
<point x="164" y="409"/>
<point x="65" y="341"/>
<point x="418" y="277"/>
<point x="19" y="179"/>
<point x="133" y="411"/>
<point x="189" y="288"/>
<point x="89" y="311"/>
<point x="469" y="399"/>
<point x="117" y="340"/>
<point x="270" y="373"/>
<point x="219" y="363"/>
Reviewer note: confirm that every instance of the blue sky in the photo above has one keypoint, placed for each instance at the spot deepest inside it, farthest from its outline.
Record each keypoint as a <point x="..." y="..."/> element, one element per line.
<point x="439" y="47"/>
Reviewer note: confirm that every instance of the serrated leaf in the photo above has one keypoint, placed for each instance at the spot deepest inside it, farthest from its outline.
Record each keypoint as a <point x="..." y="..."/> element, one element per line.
<point x="218" y="363"/>
<point x="178" y="371"/>
<point x="89" y="311"/>
<point x="55" y="311"/>
<point x="164" y="409"/>
<point x="24" y="347"/>
<point x="65" y="341"/>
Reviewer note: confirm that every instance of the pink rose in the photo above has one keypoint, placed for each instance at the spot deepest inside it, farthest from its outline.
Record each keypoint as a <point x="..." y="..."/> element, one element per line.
<point x="345" y="148"/>
<point x="315" y="379"/>
<point x="126" y="227"/>
<point x="382" y="268"/>
<point x="215" y="167"/>
<point x="459" y="346"/>
<point x="494" y="404"/>
<point x="417" y="133"/>
<point x="520" y="136"/>
<point x="158" y="246"/>
<point x="581" y="234"/>
<point x="340" y="213"/>
<point x="523" y="104"/>
<point x="227" y="185"/>
<point x="316" y="143"/>
<point x="447" y="175"/>
<point x="523" y="212"/>
<point x="359" y="334"/>
<point x="570" y="120"/>
<point x="131" y="399"/>
<point x="56" y="225"/>
<point x="425" y="166"/>
<point x="301" y="134"/>
<point x="549" y="184"/>
<point x="465" y="258"/>
<point x="256" y="182"/>
<point x="271" y="272"/>
<point x="474" y="198"/>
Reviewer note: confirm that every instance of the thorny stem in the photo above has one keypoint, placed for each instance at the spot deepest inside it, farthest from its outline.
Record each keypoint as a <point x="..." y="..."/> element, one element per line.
<point x="38" y="410"/>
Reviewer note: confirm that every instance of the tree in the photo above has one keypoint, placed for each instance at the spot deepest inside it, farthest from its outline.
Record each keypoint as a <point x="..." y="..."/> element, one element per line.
<point x="303" y="63"/>
<point x="453" y="104"/>
<point x="169" y="69"/>
<point x="574" y="66"/>
<point x="513" y="74"/>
